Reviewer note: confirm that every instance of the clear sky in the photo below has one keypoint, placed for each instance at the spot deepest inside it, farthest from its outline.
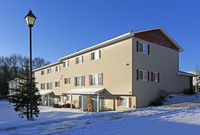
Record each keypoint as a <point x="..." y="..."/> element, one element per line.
<point x="65" y="26"/>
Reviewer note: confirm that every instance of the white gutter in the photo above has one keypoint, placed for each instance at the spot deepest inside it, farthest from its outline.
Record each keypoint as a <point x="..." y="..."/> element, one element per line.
<point x="100" y="45"/>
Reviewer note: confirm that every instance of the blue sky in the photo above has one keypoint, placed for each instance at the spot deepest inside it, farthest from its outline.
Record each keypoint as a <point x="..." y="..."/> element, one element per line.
<point x="65" y="26"/>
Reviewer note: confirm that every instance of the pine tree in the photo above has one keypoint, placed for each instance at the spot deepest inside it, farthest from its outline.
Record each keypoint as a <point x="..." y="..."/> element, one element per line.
<point x="21" y="96"/>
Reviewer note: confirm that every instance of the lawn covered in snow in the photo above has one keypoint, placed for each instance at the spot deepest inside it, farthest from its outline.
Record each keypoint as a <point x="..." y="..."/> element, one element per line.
<point x="170" y="119"/>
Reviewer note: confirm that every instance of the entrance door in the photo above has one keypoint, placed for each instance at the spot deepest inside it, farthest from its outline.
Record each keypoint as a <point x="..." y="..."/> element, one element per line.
<point x="101" y="103"/>
<point x="45" y="100"/>
<point x="80" y="101"/>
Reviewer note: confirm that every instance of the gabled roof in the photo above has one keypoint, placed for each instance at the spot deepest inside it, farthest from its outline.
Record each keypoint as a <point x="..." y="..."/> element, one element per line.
<point x="109" y="42"/>
<point x="165" y="33"/>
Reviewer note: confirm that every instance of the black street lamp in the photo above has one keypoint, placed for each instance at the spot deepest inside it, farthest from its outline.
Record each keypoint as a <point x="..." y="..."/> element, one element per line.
<point x="30" y="20"/>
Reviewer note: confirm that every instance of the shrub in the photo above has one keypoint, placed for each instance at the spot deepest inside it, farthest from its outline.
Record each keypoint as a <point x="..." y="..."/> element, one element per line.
<point x="55" y="105"/>
<point x="68" y="105"/>
<point x="157" y="102"/>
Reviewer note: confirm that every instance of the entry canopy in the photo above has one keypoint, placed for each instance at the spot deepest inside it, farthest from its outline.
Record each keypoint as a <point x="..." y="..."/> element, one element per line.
<point x="85" y="91"/>
<point x="45" y="92"/>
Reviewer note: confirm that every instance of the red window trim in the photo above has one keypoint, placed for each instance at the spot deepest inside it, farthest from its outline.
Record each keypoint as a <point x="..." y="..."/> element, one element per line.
<point x="83" y="80"/>
<point x="75" y="81"/>
<point x="148" y="49"/>
<point x="137" y="71"/>
<point x="99" y="54"/>
<point x="129" y="102"/>
<point x="101" y="78"/>
<point x="89" y="80"/>
<point x="117" y="101"/>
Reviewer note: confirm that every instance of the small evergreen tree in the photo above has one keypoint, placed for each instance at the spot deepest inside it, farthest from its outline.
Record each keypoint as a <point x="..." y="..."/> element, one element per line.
<point x="21" y="96"/>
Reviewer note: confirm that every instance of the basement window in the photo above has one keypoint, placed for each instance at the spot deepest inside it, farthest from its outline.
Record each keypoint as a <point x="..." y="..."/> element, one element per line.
<point x="123" y="101"/>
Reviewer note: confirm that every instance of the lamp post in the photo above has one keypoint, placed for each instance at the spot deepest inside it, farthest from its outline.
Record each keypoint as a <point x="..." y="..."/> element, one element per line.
<point x="30" y="20"/>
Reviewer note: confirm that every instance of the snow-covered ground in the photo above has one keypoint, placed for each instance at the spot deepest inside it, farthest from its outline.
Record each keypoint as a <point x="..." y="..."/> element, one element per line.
<point x="170" y="119"/>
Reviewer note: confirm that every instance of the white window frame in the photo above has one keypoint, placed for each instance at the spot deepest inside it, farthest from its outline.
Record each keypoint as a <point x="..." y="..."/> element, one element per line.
<point x="57" y="68"/>
<point x="79" y="81"/>
<point x="143" y="47"/>
<point x="17" y="85"/>
<point x="49" y="85"/>
<point x="144" y="76"/>
<point x="42" y="86"/>
<point x="61" y="99"/>
<point x="57" y="84"/>
<point x="68" y="98"/>
<point x="48" y="70"/>
<point x="66" y="63"/>
<point x="67" y="80"/>
<point x="96" y="79"/>
<point x="155" y="76"/>
<point x="127" y="103"/>
<point x="79" y="60"/>
<point x="42" y="72"/>
<point x="95" y="55"/>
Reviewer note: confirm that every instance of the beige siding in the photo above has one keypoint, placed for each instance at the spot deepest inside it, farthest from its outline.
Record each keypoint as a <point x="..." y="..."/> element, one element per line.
<point x="166" y="62"/>
<point x="118" y="63"/>
<point x="115" y="64"/>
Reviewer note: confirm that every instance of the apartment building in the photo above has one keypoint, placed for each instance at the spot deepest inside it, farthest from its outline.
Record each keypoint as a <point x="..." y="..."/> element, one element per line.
<point x="13" y="84"/>
<point x="126" y="72"/>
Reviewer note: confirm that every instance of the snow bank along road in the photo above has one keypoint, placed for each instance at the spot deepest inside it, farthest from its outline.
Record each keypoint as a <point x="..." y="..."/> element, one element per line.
<point x="181" y="119"/>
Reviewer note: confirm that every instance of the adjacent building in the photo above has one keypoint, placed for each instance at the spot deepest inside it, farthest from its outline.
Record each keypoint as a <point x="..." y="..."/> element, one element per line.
<point x="126" y="72"/>
<point x="196" y="80"/>
<point x="13" y="84"/>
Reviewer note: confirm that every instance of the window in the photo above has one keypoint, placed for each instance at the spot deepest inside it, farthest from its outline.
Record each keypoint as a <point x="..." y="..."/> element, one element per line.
<point x="143" y="47"/>
<point x="96" y="79"/>
<point x="67" y="80"/>
<point x="68" y="98"/>
<point x="11" y="85"/>
<point x="17" y="86"/>
<point x="143" y="75"/>
<point x="57" y="68"/>
<point x="123" y="101"/>
<point x="42" y="86"/>
<point x="57" y="84"/>
<point x="155" y="77"/>
<point x="49" y="71"/>
<point x="80" y="81"/>
<point x="96" y="55"/>
<point x="79" y="60"/>
<point x="49" y="86"/>
<point x="42" y="72"/>
<point x="61" y="99"/>
<point x="66" y="63"/>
